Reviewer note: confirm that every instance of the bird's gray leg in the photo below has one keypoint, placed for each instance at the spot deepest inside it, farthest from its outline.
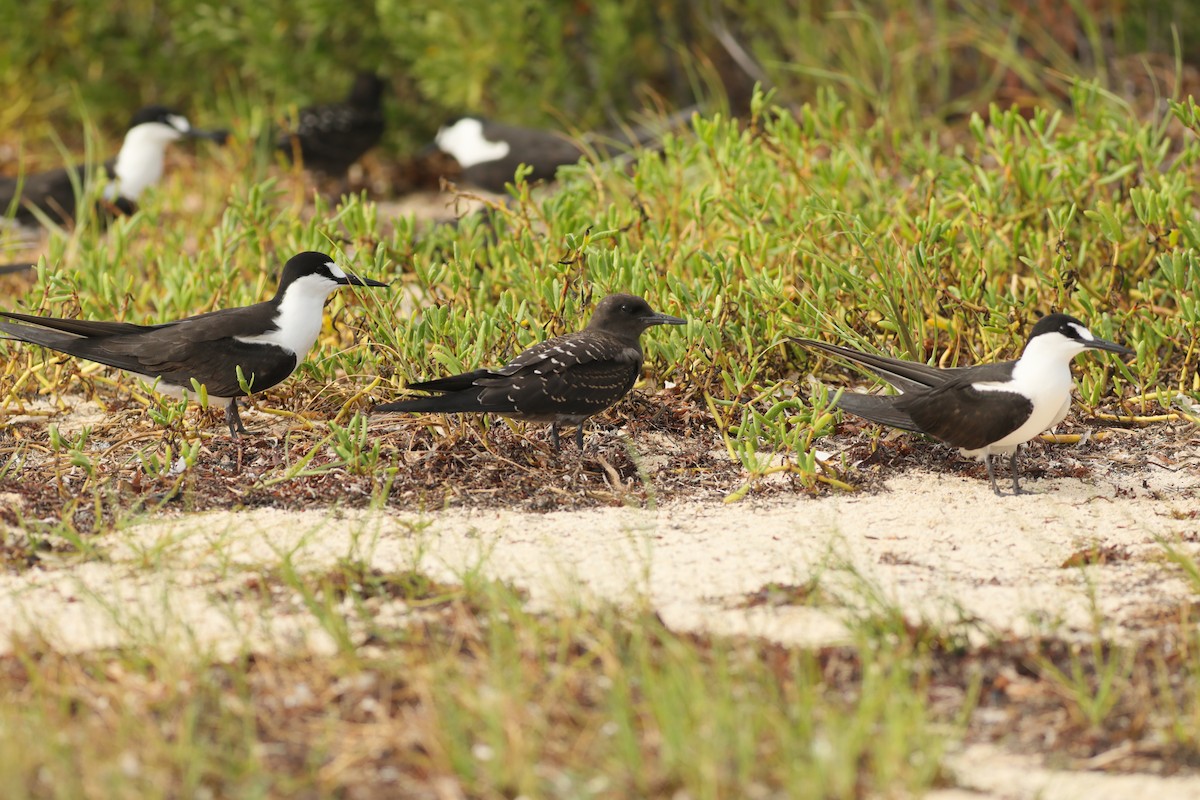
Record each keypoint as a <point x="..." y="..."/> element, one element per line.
<point x="554" y="436"/>
<point x="1012" y="465"/>
<point x="579" y="437"/>
<point x="987" y="461"/>
<point x="233" y="419"/>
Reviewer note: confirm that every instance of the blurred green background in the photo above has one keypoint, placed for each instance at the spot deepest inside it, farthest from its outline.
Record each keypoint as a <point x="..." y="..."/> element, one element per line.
<point x="577" y="64"/>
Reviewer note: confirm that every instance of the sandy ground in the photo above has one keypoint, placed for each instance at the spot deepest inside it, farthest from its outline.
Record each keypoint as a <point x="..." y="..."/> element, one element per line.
<point x="938" y="546"/>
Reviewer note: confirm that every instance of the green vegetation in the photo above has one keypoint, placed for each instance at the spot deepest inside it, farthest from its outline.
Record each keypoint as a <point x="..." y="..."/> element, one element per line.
<point x="483" y="697"/>
<point x="806" y="224"/>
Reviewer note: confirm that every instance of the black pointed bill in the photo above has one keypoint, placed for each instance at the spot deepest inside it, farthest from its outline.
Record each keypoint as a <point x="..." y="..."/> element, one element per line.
<point x="353" y="280"/>
<point x="1112" y="347"/>
<point x="658" y="318"/>
<point x="219" y="136"/>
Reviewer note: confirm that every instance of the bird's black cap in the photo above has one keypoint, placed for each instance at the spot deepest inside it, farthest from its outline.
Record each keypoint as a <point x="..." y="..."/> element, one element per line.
<point x="320" y="264"/>
<point x="177" y="120"/>
<point x="1071" y="328"/>
<point x="367" y="91"/>
<point x="628" y="315"/>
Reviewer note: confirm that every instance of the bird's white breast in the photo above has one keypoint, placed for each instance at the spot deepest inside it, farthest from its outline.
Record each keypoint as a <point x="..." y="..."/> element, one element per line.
<point x="298" y="319"/>
<point x="140" y="162"/>
<point x="1048" y="384"/>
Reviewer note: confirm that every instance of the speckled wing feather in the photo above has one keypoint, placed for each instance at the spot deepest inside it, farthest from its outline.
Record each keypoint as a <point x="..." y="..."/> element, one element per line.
<point x="568" y="377"/>
<point x="333" y="136"/>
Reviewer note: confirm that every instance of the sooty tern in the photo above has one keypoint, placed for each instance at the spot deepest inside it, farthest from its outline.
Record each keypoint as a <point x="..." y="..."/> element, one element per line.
<point x="138" y="166"/>
<point x="266" y="340"/>
<point x="489" y="152"/>
<point x="985" y="410"/>
<point x="562" y="381"/>
<point x="329" y="138"/>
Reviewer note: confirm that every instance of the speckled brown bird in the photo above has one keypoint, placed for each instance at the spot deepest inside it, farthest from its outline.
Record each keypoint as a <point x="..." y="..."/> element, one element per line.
<point x="562" y="381"/>
<point x="331" y="137"/>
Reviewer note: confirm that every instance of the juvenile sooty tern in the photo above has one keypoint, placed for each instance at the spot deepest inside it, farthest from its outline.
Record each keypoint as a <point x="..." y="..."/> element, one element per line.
<point x="562" y="381"/>
<point x="329" y="138"/>
<point x="266" y="340"/>
<point x="985" y="410"/>
<point x="138" y="166"/>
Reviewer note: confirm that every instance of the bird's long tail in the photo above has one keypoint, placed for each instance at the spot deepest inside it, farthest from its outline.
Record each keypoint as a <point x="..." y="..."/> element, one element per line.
<point x="55" y="340"/>
<point x="98" y="350"/>
<point x="877" y="408"/>
<point x="904" y="375"/>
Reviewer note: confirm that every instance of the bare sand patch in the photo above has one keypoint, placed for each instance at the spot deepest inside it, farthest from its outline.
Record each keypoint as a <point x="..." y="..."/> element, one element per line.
<point x="1073" y="559"/>
<point x="939" y="547"/>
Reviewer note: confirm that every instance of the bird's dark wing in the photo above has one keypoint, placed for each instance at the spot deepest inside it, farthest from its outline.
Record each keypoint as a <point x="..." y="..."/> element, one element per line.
<point x="215" y="367"/>
<point x="580" y="374"/>
<point x="576" y="375"/>
<point x="52" y="192"/>
<point x="211" y="326"/>
<point x="544" y="151"/>
<point x="943" y="403"/>
<point x="960" y="414"/>
<point x="332" y="137"/>
<point x="878" y="408"/>
<point x="201" y="347"/>
<point x="454" y="383"/>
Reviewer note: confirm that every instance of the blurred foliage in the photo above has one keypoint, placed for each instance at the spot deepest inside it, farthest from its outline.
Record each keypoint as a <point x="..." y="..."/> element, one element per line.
<point x="581" y="64"/>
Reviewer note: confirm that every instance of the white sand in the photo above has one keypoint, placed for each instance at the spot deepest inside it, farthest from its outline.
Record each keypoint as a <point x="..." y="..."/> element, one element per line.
<point x="937" y="546"/>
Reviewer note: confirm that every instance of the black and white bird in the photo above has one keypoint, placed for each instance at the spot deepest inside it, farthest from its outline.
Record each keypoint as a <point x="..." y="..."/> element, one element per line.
<point x="137" y="167"/>
<point x="562" y="381"/>
<point x="985" y="410"/>
<point x="267" y="340"/>
<point x="329" y="138"/>
<point x="490" y="152"/>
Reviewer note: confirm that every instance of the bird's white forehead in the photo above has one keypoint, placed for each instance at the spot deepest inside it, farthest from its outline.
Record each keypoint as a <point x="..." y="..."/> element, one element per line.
<point x="1083" y="332"/>
<point x="335" y="270"/>
<point x="178" y="122"/>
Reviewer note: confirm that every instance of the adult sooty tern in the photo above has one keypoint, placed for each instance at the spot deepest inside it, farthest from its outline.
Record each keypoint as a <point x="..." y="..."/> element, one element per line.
<point x="562" y="381"/>
<point x="985" y="410"/>
<point x="138" y="166"/>
<point x="490" y="152"/>
<point x="266" y="340"/>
